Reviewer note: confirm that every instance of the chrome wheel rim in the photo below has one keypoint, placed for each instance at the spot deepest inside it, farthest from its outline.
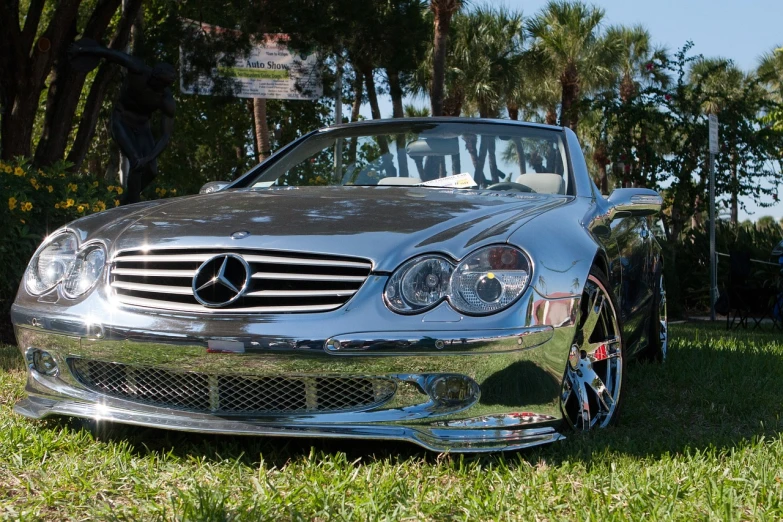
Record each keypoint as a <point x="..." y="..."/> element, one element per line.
<point x="591" y="384"/>
<point x="663" y="331"/>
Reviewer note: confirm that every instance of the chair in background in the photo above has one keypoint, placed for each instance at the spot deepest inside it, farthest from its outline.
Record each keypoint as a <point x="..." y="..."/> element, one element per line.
<point x="747" y="298"/>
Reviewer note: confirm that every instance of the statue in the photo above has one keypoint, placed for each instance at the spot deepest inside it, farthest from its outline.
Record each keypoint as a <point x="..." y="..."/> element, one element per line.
<point x="144" y="91"/>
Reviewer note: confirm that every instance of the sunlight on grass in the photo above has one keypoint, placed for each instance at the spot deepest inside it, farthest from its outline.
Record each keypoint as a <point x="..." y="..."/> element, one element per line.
<point x="699" y="438"/>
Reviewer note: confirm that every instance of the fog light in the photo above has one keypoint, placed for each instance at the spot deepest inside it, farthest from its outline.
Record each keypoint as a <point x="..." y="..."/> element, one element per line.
<point x="451" y="390"/>
<point x="42" y="362"/>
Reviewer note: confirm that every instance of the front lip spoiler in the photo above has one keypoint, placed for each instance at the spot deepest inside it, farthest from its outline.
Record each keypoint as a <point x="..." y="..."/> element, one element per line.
<point x="431" y="438"/>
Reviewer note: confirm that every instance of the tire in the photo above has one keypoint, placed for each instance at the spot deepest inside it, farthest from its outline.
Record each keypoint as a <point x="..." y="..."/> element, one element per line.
<point x="591" y="393"/>
<point x="658" y="334"/>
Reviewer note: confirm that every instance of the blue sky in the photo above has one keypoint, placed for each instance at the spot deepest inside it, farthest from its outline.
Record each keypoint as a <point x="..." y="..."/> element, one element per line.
<point x="739" y="30"/>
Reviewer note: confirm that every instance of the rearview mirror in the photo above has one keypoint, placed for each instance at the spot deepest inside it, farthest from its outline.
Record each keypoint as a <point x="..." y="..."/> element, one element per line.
<point x="213" y="186"/>
<point x="635" y="202"/>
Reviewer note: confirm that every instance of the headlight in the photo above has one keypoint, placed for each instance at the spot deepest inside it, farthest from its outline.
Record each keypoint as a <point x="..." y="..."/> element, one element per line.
<point x="84" y="271"/>
<point x="485" y="282"/>
<point x="50" y="265"/>
<point x="419" y="284"/>
<point x="489" y="280"/>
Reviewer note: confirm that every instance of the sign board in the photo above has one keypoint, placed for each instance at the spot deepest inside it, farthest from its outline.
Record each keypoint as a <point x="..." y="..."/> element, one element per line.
<point x="269" y="71"/>
<point x="463" y="180"/>
<point x="713" y="134"/>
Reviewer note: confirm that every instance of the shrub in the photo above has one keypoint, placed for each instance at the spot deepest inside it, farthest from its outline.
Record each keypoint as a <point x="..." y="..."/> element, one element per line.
<point x="35" y="203"/>
<point x="693" y="259"/>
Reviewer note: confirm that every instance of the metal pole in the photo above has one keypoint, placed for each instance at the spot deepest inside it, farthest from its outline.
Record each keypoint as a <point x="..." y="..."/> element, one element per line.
<point x="713" y="259"/>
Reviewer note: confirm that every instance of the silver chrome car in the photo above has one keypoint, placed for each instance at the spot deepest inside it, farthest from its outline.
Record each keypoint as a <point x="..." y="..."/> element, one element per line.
<point x="457" y="283"/>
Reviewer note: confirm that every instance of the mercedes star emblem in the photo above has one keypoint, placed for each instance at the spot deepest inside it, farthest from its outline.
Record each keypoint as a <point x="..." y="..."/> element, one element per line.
<point x="221" y="280"/>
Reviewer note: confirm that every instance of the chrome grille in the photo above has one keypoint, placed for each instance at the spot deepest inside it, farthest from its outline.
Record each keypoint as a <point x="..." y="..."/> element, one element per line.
<point x="281" y="282"/>
<point x="238" y="394"/>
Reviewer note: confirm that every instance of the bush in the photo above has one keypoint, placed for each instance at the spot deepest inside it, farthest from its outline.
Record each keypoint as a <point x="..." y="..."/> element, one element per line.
<point x="35" y="203"/>
<point x="692" y="261"/>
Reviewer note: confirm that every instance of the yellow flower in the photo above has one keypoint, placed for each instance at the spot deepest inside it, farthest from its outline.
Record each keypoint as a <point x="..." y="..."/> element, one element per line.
<point x="173" y="192"/>
<point x="110" y="188"/>
<point x="8" y="169"/>
<point x="80" y="208"/>
<point x="62" y="175"/>
<point x="34" y="183"/>
<point x="11" y="203"/>
<point x="50" y="189"/>
<point x="162" y="192"/>
<point x="116" y="202"/>
<point x="26" y="206"/>
<point x="18" y="171"/>
<point x="119" y="190"/>
<point x="99" y="206"/>
<point x="94" y="183"/>
<point x="69" y="203"/>
<point x="22" y="221"/>
<point x="72" y="187"/>
<point x="56" y="205"/>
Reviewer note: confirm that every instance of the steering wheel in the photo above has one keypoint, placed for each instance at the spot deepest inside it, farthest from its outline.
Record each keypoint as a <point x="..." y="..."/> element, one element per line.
<point x="510" y="185"/>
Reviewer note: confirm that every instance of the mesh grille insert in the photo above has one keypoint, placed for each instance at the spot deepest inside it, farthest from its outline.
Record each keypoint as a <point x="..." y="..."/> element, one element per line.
<point x="240" y="394"/>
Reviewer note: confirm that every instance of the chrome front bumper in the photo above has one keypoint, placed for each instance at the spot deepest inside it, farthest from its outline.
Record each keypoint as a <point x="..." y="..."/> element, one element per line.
<point x="514" y="375"/>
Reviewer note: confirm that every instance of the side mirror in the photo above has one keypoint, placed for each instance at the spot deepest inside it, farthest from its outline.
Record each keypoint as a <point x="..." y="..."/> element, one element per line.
<point x="213" y="186"/>
<point x="634" y="202"/>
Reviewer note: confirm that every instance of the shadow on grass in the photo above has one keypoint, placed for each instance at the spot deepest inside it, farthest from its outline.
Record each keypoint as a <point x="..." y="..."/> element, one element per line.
<point x="716" y="390"/>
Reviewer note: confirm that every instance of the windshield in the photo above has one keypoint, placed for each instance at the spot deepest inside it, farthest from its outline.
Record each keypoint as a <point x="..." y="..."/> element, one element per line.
<point x="446" y="155"/>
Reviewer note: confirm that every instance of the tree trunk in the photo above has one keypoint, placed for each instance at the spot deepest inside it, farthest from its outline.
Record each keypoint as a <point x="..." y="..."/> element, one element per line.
<point x="470" y="146"/>
<point x="24" y="67"/>
<point x="551" y="115"/>
<point x="395" y="92"/>
<point x="494" y="172"/>
<point x="456" y="166"/>
<point x="100" y="85"/>
<point x="601" y="158"/>
<point x="256" y="148"/>
<point x="261" y="128"/>
<point x="452" y="104"/>
<point x="482" y="158"/>
<point x="521" y="159"/>
<point x="372" y="94"/>
<point x="358" y="91"/>
<point x="65" y="89"/>
<point x="442" y="24"/>
<point x="569" y="83"/>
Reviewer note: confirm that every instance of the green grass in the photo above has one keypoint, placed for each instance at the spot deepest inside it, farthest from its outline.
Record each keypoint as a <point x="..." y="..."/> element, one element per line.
<point x="699" y="439"/>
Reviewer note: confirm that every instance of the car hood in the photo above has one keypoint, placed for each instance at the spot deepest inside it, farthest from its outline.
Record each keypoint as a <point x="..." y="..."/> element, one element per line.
<point x="384" y="224"/>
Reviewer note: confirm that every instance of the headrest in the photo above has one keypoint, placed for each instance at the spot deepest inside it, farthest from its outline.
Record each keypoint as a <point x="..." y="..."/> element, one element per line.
<point x="392" y="180"/>
<point x="542" y="183"/>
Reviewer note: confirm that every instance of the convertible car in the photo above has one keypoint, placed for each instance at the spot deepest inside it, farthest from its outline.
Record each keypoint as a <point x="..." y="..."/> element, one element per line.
<point x="457" y="283"/>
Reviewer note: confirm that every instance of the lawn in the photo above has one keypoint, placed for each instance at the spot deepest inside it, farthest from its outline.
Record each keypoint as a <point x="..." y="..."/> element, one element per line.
<point x="699" y="439"/>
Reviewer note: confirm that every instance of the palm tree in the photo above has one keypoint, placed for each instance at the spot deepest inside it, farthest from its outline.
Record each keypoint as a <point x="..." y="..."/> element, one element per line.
<point x="635" y="59"/>
<point x="443" y="10"/>
<point x="635" y="66"/>
<point x="567" y="40"/>
<point x="770" y="71"/>
<point x="722" y="82"/>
